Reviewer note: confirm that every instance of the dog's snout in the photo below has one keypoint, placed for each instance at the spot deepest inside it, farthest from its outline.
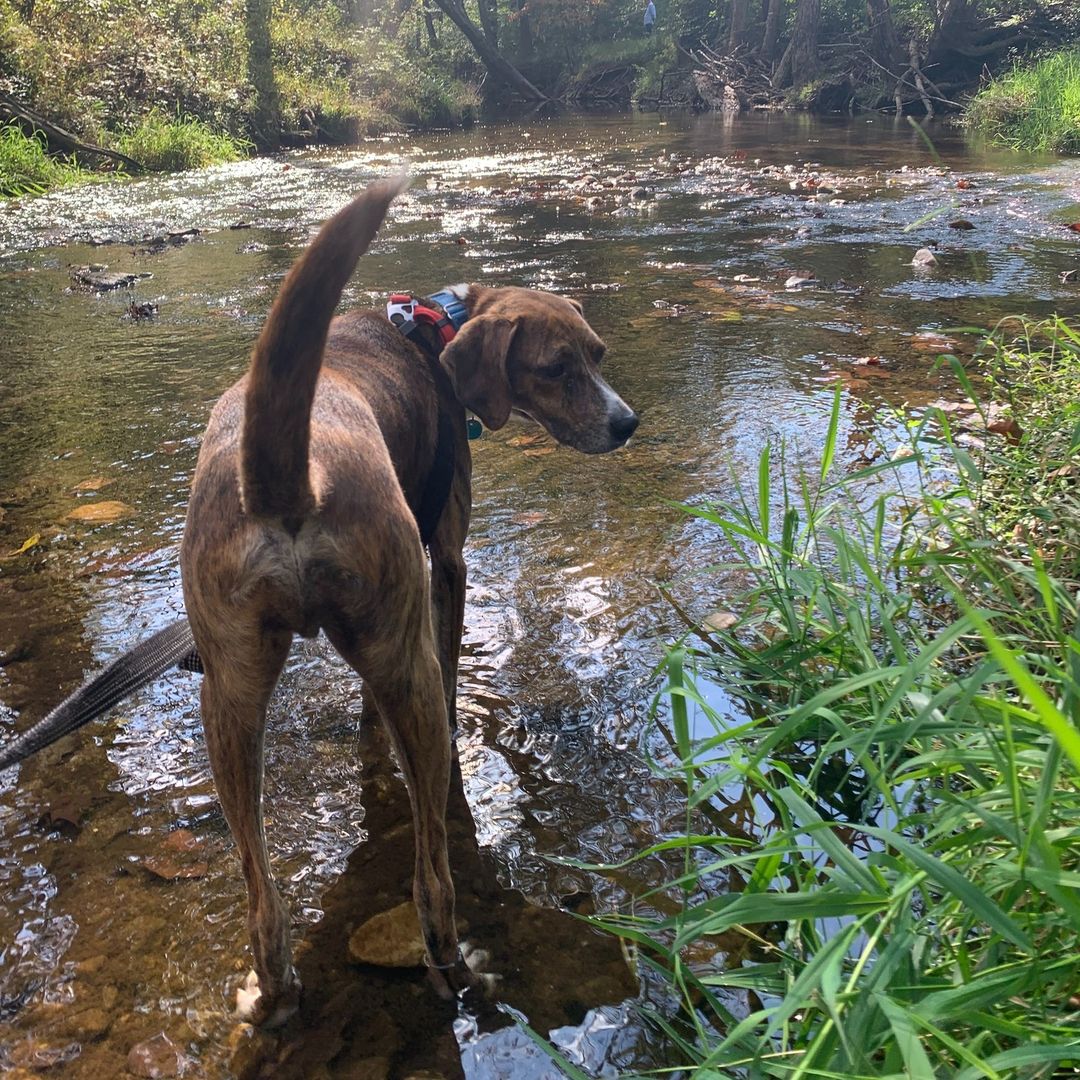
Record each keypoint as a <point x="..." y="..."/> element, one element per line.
<point x="622" y="427"/>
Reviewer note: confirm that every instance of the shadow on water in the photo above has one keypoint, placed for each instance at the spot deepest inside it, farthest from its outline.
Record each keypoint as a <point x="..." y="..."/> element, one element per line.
<point x="121" y="911"/>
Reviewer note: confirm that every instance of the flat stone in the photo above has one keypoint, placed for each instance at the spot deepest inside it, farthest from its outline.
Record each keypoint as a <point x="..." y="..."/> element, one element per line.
<point x="390" y="939"/>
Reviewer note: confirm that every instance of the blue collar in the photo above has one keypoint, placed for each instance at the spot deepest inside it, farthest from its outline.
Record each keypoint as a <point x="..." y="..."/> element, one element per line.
<point x="453" y="306"/>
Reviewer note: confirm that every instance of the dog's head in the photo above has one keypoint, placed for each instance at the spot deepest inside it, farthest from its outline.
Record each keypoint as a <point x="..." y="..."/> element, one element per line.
<point x="533" y="353"/>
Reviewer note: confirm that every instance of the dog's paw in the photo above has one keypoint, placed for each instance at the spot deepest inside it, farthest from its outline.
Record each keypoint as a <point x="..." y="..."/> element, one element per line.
<point x="253" y="1008"/>
<point x="466" y="975"/>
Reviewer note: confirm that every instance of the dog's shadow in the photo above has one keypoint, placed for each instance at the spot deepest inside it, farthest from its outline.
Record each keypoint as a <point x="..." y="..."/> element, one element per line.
<point x="370" y="1023"/>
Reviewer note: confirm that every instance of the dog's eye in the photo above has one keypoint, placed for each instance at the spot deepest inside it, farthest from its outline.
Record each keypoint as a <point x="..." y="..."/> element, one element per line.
<point x="553" y="371"/>
<point x="598" y="354"/>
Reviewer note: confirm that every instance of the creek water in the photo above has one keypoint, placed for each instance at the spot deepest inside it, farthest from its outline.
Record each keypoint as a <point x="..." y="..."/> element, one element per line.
<point x="121" y="903"/>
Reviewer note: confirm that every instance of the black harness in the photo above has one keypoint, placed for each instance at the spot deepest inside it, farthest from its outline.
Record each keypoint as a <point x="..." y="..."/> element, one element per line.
<point x="445" y="313"/>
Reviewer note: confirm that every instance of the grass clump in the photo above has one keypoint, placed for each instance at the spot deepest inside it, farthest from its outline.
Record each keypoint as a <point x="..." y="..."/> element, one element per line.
<point x="166" y="143"/>
<point x="27" y="168"/>
<point x="1033" y="107"/>
<point x="879" y="870"/>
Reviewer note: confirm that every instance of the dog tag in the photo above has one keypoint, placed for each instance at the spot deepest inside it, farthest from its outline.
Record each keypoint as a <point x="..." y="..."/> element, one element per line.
<point x="474" y="427"/>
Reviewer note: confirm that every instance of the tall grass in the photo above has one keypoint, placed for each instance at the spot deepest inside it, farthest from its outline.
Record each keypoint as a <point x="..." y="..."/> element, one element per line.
<point x="173" y="143"/>
<point x="26" y="167"/>
<point x="901" y="896"/>
<point x="1033" y="107"/>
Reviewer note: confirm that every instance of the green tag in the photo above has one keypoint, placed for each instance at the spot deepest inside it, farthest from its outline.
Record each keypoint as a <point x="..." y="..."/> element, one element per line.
<point x="474" y="427"/>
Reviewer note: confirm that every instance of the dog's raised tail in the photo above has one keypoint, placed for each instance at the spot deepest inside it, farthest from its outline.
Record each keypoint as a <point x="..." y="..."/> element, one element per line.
<point x="287" y="357"/>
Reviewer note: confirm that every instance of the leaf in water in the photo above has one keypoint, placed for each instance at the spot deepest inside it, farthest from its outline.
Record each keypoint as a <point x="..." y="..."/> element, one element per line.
<point x="101" y="512"/>
<point x="26" y="545"/>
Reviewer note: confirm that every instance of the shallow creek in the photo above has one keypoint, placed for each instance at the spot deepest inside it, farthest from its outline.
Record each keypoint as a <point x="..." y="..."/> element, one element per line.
<point x="121" y="902"/>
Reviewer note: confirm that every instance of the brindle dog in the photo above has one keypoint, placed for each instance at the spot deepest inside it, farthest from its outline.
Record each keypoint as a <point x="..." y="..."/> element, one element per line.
<point x="303" y="517"/>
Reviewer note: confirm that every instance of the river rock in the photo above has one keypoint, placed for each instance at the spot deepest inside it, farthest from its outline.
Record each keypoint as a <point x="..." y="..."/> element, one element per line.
<point x="156" y="1057"/>
<point x="390" y="939"/>
<point x="248" y="1049"/>
<point x="98" y="278"/>
<point x="90" y="1024"/>
<point x="924" y="257"/>
<point x="101" y="513"/>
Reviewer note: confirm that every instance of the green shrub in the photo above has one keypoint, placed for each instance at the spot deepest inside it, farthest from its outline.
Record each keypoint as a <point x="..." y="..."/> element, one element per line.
<point x="171" y="143"/>
<point x="898" y="894"/>
<point x="26" y="168"/>
<point x="1032" y="108"/>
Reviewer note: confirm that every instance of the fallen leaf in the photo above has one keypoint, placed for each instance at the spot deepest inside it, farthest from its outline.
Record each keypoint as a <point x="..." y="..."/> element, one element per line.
<point x="1074" y="226"/>
<point x="101" y="512"/>
<point x="95" y="483"/>
<point x="27" y="544"/>
<point x="1008" y="427"/>
<point x="540" y="451"/>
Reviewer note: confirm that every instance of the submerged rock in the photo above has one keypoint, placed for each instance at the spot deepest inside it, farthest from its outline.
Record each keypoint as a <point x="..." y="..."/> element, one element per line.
<point x="97" y="278"/>
<point x="924" y="257"/>
<point x="390" y="939"/>
<point x="156" y="1057"/>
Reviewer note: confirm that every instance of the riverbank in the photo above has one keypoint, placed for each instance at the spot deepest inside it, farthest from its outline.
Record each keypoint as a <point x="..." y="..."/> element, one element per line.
<point x="876" y="873"/>
<point x="1032" y="107"/>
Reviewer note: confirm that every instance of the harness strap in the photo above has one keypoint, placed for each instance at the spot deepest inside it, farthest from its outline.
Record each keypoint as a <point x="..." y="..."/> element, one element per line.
<point x="409" y="314"/>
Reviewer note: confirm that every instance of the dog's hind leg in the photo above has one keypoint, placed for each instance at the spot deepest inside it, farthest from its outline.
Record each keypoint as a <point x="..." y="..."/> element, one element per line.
<point x="448" y="577"/>
<point x="236" y="688"/>
<point x="407" y="688"/>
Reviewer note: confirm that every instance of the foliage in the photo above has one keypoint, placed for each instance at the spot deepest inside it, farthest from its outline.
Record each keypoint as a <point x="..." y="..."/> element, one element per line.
<point x="354" y="81"/>
<point x="172" y="143"/>
<point x="26" y="167"/>
<point x="1033" y="107"/>
<point x="898" y="896"/>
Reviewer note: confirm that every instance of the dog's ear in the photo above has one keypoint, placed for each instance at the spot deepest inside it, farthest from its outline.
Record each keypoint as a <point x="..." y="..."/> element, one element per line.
<point x="476" y="361"/>
<point x="576" y="305"/>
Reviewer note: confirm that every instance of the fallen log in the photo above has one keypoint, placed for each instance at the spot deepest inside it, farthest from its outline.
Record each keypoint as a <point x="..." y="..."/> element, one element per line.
<point x="13" y="111"/>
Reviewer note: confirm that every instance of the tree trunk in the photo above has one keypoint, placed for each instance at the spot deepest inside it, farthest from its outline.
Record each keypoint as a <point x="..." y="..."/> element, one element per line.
<point x="429" y="22"/>
<point x="266" y="121"/>
<point x="771" y="38"/>
<point x="801" y="62"/>
<point x="489" y="20"/>
<point x="884" y="44"/>
<point x="525" y="45"/>
<point x="740" y="23"/>
<point x="498" y="66"/>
